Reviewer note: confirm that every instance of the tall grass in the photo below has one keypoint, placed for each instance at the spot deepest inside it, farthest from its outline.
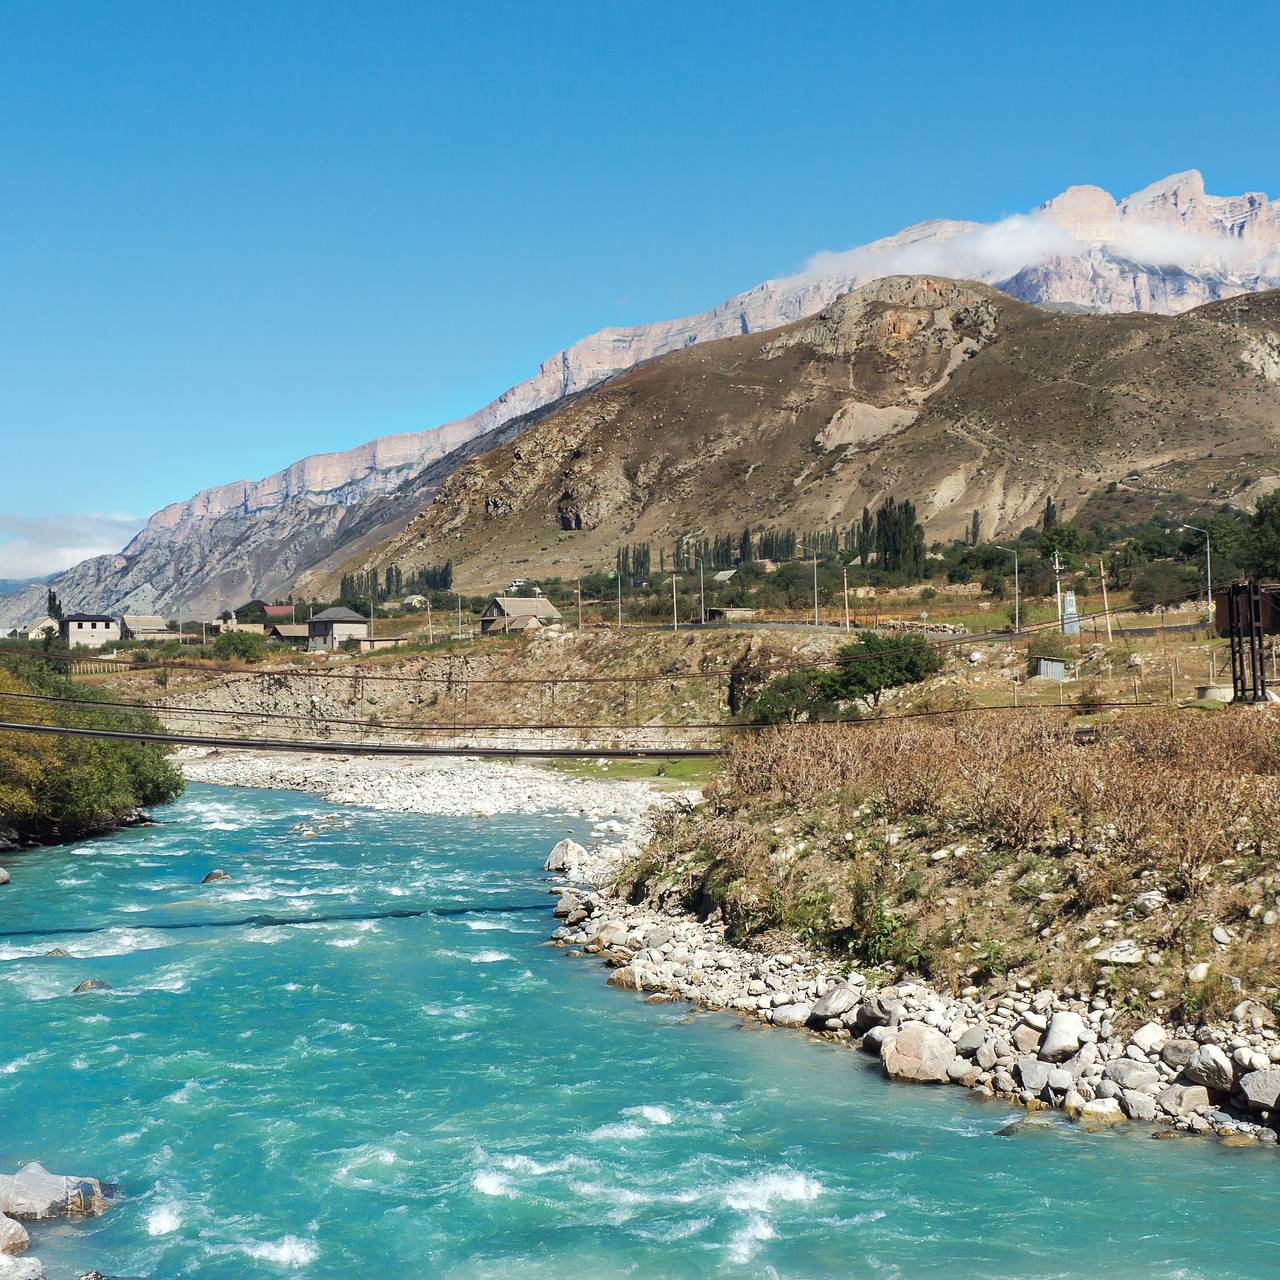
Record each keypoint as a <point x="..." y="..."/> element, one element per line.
<point x="1182" y="789"/>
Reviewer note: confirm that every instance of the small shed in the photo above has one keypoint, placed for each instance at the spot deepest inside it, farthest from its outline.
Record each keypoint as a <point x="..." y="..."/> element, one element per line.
<point x="516" y="613"/>
<point x="290" y="633"/>
<point x="1049" y="669"/>
<point x="327" y="630"/>
<point x="371" y="644"/>
<point x="719" y="613"/>
<point x="724" y="575"/>
<point x="143" y="626"/>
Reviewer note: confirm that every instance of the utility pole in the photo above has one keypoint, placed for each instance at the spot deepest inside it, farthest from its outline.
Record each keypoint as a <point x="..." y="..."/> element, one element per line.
<point x="459" y="596"/>
<point x="675" y="620"/>
<point x="814" y="550"/>
<point x="579" y="604"/>
<point x="846" y="596"/>
<point x="1057" y="584"/>
<point x="619" y="602"/>
<point x="1208" y="570"/>
<point x="431" y="639"/>
<point x="1106" y="608"/>
<point x="1017" y="595"/>
<point x="702" y="594"/>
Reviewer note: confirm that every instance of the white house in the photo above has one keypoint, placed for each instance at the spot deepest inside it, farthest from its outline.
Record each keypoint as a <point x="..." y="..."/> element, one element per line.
<point x="90" y="630"/>
<point x="326" y="631"/>
<point x="40" y="628"/>
<point x="517" y="613"/>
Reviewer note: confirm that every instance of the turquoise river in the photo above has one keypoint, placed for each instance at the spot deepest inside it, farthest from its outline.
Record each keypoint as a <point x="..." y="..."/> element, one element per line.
<point x="446" y="1095"/>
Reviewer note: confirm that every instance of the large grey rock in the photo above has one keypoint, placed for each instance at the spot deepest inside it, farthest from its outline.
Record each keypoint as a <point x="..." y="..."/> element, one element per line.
<point x="1261" y="1089"/>
<point x="1062" y="1037"/>
<point x="20" y="1268"/>
<point x="563" y="854"/>
<point x="1033" y="1073"/>
<point x="1138" y="1106"/>
<point x="878" y="1012"/>
<point x="792" y="1015"/>
<point x="566" y="905"/>
<point x="1177" y="1053"/>
<point x="91" y="984"/>
<point x="33" y="1194"/>
<point x="1101" y="1112"/>
<point x="13" y="1235"/>
<point x="612" y="933"/>
<point x="986" y="1057"/>
<point x="839" y="1000"/>
<point x="4" y="876"/>
<point x="1026" y="1038"/>
<point x="1129" y="1074"/>
<point x="1184" y="1099"/>
<point x="214" y="876"/>
<point x="874" y="1040"/>
<point x="971" y="1040"/>
<point x="1210" y="1067"/>
<point x="1149" y="1037"/>
<point x="918" y="1053"/>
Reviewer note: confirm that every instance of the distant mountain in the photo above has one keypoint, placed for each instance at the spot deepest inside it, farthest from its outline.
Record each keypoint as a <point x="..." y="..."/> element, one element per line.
<point x="1164" y="249"/>
<point x="948" y="393"/>
<point x="9" y="585"/>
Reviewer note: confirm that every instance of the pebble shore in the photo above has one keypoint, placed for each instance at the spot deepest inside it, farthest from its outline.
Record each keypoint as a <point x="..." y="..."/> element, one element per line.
<point x="1038" y="1048"/>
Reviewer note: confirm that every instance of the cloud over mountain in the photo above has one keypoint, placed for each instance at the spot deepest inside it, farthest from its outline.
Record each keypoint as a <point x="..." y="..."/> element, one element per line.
<point x="32" y="546"/>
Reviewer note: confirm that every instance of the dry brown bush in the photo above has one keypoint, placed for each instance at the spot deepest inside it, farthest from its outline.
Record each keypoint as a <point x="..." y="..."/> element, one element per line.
<point x="1176" y="789"/>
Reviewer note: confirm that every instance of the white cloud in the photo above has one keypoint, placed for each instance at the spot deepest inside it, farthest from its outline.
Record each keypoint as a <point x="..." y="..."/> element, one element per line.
<point x="33" y="546"/>
<point x="995" y="251"/>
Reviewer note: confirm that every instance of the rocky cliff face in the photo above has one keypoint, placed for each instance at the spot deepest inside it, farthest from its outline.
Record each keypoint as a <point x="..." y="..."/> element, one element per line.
<point x="945" y="392"/>
<point x="1164" y="249"/>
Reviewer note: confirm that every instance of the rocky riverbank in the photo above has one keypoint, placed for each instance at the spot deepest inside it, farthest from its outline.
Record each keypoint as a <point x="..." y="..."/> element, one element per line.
<point x="33" y="1194"/>
<point x="1070" y="1049"/>
<point x="451" y="786"/>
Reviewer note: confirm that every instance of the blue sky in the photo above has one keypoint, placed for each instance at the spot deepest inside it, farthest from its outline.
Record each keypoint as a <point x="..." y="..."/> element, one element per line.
<point x="232" y="234"/>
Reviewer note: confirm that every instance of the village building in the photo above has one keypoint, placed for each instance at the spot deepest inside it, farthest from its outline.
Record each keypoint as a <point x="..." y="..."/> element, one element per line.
<point x="414" y="602"/>
<point x="295" y="633"/>
<point x="724" y="575"/>
<point x="144" y="626"/>
<point x="718" y="613"/>
<point x="517" y="613"/>
<point x="327" y="631"/>
<point x="40" y="629"/>
<point x="89" y="630"/>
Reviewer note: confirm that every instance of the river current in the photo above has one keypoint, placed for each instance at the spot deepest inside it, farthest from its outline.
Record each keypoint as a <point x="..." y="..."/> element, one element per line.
<point x="445" y="1095"/>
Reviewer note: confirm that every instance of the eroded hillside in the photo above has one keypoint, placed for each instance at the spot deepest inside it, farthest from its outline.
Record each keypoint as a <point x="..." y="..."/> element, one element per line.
<point x="945" y="392"/>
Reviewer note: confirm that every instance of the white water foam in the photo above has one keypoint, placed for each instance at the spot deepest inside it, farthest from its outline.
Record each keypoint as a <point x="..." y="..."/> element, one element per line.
<point x="491" y="1183"/>
<point x="745" y="1243"/>
<point x="163" y="1220"/>
<point x="290" y="1251"/>
<point x="620" y="1131"/>
<point x="654" y="1115"/>
<point x="489" y="957"/>
<point x="758" y="1194"/>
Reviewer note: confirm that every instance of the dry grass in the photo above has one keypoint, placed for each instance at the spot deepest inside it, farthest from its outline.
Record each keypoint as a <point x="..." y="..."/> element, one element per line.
<point x="972" y="846"/>
<point x="1181" y="786"/>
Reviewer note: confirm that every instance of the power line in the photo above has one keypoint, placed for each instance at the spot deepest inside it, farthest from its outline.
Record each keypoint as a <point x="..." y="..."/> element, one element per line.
<point x="313" y="747"/>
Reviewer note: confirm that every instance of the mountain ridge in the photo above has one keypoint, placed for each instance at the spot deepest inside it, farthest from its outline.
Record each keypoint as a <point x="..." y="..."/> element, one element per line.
<point x="1080" y="250"/>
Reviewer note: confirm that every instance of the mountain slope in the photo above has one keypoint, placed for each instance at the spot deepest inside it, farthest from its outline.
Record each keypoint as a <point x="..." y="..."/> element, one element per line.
<point x="1164" y="249"/>
<point x="948" y="393"/>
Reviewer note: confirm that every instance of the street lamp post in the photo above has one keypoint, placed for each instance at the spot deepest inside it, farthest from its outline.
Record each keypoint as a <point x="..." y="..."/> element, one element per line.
<point x="1208" y="569"/>
<point x="675" y="620"/>
<point x="702" y="593"/>
<point x="814" y="550"/>
<point x="1017" y="614"/>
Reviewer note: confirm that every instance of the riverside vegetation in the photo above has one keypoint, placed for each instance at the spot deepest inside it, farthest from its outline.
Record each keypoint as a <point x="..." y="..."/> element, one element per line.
<point x="1097" y="922"/>
<point x="58" y="788"/>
